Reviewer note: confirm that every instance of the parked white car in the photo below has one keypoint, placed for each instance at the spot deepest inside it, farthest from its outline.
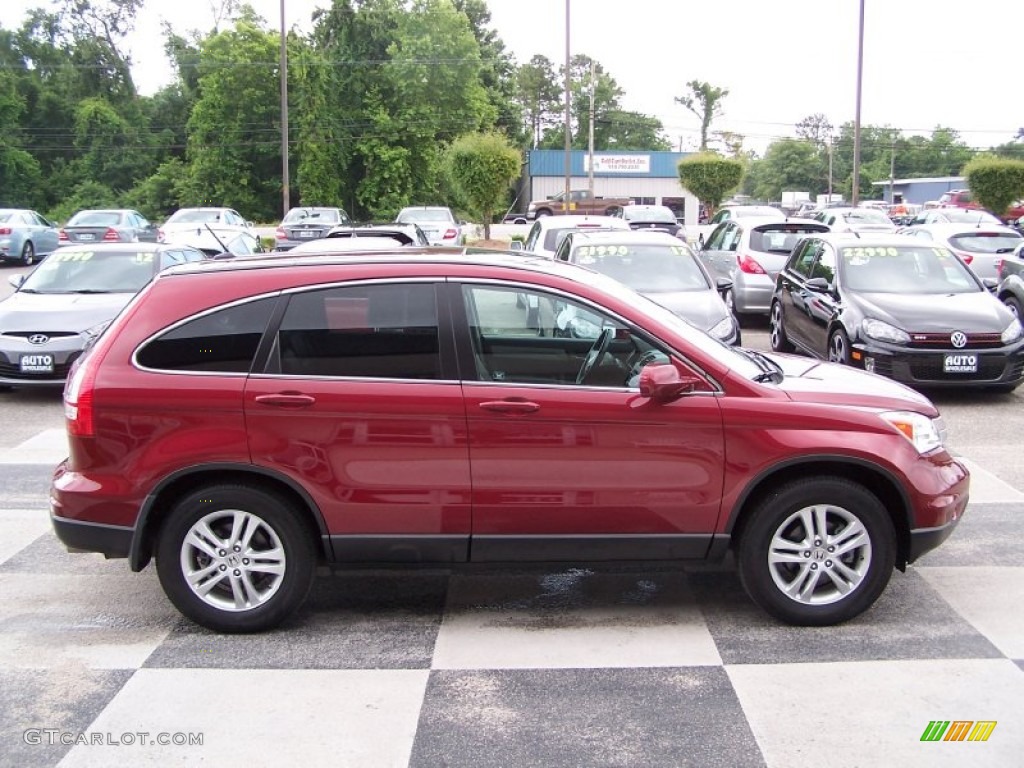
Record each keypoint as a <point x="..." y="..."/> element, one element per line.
<point x="547" y="232"/>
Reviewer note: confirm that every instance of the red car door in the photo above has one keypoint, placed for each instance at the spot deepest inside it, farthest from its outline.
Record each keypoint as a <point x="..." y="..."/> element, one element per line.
<point x="570" y="469"/>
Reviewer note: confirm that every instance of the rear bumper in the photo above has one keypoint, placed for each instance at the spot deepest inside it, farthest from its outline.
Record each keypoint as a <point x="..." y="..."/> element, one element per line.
<point x="109" y="540"/>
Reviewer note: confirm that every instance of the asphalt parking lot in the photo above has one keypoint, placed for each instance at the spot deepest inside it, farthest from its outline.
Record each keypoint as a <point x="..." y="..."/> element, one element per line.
<point x="537" y="667"/>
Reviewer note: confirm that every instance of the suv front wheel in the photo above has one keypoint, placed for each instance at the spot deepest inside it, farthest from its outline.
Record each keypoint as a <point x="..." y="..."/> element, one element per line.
<point x="817" y="552"/>
<point x="235" y="559"/>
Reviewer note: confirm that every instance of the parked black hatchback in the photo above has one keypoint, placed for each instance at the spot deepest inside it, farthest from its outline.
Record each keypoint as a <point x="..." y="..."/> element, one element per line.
<point x="893" y="305"/>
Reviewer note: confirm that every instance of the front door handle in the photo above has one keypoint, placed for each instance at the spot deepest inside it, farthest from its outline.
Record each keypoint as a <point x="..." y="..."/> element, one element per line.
<point x="286" y="400"/>
<point x="510" y="406"/>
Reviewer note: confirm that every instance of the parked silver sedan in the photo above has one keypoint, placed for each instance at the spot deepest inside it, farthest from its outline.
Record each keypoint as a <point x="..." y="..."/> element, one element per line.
<point x="26" y="235"/>
<point x="115" y="225"/>
<point x="67" y="301"/>
<point x="300" y="225"/>
<point x="437" y="222"/>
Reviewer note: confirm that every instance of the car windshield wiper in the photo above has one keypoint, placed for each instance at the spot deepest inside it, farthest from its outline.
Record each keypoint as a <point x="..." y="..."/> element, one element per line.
<point x="90" y="290"/>
<point x="770" y="370"/>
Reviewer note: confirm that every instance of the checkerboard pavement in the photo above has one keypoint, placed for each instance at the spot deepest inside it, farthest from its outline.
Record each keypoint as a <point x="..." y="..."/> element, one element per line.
<point x="525" y="667"/>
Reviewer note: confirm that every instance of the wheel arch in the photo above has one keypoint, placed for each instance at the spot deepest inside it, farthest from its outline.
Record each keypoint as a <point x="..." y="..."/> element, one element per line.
<point x="158" y="503"/>
<point x="876" y="479"/>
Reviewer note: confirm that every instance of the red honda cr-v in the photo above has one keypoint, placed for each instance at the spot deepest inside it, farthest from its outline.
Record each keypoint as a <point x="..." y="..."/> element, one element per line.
<point x="244" y="421"/>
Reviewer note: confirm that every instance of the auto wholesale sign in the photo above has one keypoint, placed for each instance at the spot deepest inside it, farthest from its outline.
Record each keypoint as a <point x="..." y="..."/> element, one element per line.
<point x="640" y="164"/>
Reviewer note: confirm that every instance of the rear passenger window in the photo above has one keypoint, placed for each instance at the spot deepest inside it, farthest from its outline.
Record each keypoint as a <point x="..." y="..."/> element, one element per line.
<point x="367" y="331"/>
<point x="224" y="341"/>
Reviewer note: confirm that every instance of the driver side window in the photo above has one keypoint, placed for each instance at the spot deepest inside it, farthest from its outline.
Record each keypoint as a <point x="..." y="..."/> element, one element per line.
<point x="535" y="338"/>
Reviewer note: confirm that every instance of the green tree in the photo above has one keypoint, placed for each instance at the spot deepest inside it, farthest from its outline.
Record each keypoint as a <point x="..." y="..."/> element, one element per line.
<point x="482" y="166"/>
<point x="705" y="101"/>
<point x="710" y="177"/>
<point x="995" y="182"/>
<point x="234" y="147"/>
<point x="788" y="164"/>
<point x="538" y="95"/>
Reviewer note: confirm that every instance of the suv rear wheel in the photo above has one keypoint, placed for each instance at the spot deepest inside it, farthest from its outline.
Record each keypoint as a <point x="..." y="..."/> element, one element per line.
<point x="235" y="559"/>
<point x="817" y="552"/>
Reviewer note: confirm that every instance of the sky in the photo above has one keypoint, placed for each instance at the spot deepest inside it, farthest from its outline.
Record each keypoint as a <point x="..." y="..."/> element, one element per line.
<point x="925" y="63"/>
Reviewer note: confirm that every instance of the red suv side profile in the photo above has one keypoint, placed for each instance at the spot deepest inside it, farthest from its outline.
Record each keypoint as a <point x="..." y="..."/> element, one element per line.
<point x="244" y="421"/>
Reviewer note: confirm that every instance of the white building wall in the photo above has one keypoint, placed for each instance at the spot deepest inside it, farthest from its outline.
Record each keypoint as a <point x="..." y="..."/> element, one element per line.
<point x="615" y="186"/>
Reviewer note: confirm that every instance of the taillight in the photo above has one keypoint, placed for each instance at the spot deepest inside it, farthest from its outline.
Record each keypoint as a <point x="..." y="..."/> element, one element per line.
<point x="449" y="234"/>
<point x="160" y="236"/>
<point x="62" y="236"/>
<point x="78" y="397"/>
<point x="111" y="235"/>
<point x="967" y="257"/>
<point x="280" y="234"/>
<point x="748" y="265"/>
<point x="5" y="230"/>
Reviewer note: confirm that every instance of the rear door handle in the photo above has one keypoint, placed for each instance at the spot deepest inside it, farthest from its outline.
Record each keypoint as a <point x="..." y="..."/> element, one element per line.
<point x="510" y="406"/>
<point x="286" y="400"/>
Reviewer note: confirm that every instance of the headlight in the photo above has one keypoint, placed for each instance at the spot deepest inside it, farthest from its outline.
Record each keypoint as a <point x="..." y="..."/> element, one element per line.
<point x="1013" y="332"/>
<point x="923" y="432"/>
<point x="879" y="331"/>
<point x="724" y="330"/>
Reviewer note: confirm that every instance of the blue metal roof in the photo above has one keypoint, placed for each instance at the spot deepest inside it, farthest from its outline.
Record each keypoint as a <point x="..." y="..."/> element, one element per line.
<point x="551" y="162"/>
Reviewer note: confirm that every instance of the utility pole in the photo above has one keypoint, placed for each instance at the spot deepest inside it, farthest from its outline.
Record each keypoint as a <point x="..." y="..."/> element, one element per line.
<point x="830" y="168"/>
<point x="568" y="120"/>
<point x="892" y="173"/>
<point x="285" y="180"/>
<point x="855" y="193"/>
<point x="590" y="176"/>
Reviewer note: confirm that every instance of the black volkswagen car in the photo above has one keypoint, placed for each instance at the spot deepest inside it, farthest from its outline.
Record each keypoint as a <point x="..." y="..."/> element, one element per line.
<point x="897" y="306"/>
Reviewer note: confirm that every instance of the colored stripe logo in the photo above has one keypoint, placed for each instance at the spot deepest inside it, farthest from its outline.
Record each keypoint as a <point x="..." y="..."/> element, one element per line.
<point x="958" y="730"/>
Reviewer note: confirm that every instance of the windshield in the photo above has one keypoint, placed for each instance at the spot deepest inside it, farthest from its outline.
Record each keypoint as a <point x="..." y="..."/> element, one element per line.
<point x="194" y="216"/>
<point x="425" y="214"/>
<point x="647" y="268"/>
<point x="963" y="216"/>
<point x="95" y="219"/>
<point x="92" y="272"/>
<point x="656" y="214"/>
<point x="986" y="242"/>
<point x="919" y="270"/>
<point x="324" y="215"/>
<point x="780" y="239"/>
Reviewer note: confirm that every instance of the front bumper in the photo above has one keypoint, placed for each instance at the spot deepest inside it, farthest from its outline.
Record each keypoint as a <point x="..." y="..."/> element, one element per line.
<point x="60" y="353"/>
<point x="995" y="367"/>
<point x="924" y="540"/>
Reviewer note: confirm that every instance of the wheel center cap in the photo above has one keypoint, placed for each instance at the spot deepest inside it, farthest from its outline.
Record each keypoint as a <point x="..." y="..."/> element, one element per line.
<point x="819" y="554"/>
<point x="233" y="560"/>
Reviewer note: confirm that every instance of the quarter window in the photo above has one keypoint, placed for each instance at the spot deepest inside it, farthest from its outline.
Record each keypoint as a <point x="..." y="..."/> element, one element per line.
<point x="367" y="331"/>
<point x="224" y="341"/>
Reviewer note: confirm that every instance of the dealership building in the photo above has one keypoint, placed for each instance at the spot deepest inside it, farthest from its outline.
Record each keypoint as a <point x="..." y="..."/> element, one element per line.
<point x="650" y="178"/>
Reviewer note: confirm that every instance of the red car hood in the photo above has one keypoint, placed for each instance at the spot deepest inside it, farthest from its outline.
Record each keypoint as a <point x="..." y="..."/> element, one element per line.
<point x="814" y="381"/>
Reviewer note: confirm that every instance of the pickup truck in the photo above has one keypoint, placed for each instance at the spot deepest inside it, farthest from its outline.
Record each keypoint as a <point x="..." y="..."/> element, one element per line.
<point x="1011" y="282"/>
<point x="580" y="202"/>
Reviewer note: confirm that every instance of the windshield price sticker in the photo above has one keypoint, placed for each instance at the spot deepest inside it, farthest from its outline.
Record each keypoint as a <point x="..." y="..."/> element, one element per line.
<point x="143" y="258"/>
<point x="860" y="255"/>
<point x="66" y="256"/>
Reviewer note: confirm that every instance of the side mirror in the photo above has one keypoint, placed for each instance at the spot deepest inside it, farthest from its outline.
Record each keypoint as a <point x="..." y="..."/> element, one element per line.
<point x="700" y="240"/>
<point x="723" y="284"/>
<point x="663" y="383"/>
<point x="990" y="283"/>
<point x="516" y="245"/>
<point x="16" y="281"/>
<point x="250" y="224"/>
<point x="817" y="285"/>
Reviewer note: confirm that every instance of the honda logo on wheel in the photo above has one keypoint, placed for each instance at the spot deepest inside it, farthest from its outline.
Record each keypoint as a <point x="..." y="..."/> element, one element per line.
<point x="958" y="339"/>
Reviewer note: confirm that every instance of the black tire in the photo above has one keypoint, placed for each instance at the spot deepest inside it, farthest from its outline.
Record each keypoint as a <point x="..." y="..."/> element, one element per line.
<point x="28" y="253"/>
<point x="1015" y="307"/>
<point x="542" y="213"/>
<point x="777" y="330"/>
<point x="839" y="347"/>
<point x="847" y="508"/>
<point x="276" y="526"/>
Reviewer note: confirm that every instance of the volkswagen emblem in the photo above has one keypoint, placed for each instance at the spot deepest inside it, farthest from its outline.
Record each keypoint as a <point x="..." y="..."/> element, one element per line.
<point x="958" y="339"/>
<point x="38" y="338"/>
